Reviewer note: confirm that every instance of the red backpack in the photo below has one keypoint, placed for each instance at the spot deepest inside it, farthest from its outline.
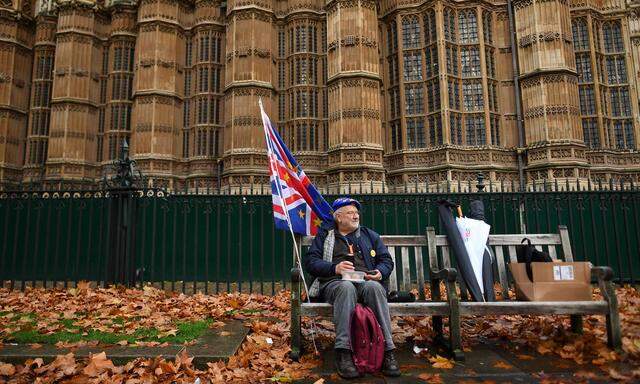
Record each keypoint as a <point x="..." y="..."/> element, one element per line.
<point x="367" y="340"/>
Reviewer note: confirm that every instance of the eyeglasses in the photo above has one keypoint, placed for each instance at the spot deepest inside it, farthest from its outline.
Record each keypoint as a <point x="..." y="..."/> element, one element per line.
<point x="351" y="213"/>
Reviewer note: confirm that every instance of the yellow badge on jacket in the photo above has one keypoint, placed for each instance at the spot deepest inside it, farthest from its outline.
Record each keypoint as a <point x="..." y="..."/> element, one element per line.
<point x="373" y="253"/>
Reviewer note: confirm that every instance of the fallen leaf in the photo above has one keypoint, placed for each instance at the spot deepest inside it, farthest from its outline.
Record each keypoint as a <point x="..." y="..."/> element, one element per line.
<point x="431" y="378"/>
<point x="617" y="375"/>
<point x="441" y="362"/>
<point x="7" y="369"/>
<point x="585" y="375"/>
<point x="502" y="365"/>
<point x="224" y="333"/>
<point x="319" y="381"/>
<point x="36" y="346"/>
<point x="98" y="364"/>
<point x="525" y="357"/>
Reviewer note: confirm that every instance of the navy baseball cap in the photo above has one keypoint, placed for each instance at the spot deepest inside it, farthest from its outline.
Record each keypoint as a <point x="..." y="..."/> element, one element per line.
<point x="343" y="202"/>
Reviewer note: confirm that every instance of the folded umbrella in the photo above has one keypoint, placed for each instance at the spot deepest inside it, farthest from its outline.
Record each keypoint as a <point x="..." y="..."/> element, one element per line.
<point x="476" y="211"/>
<point x="457" y="245"/>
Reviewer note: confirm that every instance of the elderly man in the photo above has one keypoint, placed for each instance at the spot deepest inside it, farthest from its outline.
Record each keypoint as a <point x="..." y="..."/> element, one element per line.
<point x="346" y="246"/>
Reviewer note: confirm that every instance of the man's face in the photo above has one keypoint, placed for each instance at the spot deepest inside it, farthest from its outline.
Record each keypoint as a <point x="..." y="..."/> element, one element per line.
<point x="348" y="218"/>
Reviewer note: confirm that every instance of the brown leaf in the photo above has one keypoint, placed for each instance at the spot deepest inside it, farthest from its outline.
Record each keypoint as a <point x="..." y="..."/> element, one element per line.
<point x="319" y="381"/>
<point x="7" y="369"/>
<point x="525" y="357"/>
<point x="617" y="375"/>
<point x="502" y="365"/>
<point x="441" y="362"/>
<point x="36" y="346"/>
<point x="430" y="378"/>
<point x="98" y="364"/>
<point x="183" y="359"/>
<point x="585" y="375"/>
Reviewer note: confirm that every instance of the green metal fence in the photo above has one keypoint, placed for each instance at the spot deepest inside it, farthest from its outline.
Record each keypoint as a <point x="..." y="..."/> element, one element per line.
<point x="221" y="243"/>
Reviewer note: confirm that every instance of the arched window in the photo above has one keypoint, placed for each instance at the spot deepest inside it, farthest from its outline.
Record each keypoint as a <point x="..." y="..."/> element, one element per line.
<point x="449" y="25"/>
<point x="410" y="32"/>
<point x="612" y="34"/>
<point x="430" y="27"/>
<point x="487" y="26"/>
<point x="580" y="34"/>
<point x="468" y="24"/>
<point x="392" y="37"/>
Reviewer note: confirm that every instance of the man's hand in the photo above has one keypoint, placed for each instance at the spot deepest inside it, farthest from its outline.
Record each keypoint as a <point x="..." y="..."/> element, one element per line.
<point x="376" y="277"/>
<point x="344" y="266"/>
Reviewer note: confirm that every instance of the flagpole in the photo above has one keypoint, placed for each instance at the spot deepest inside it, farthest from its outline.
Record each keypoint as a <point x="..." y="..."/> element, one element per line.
<point x="283" y="204"/>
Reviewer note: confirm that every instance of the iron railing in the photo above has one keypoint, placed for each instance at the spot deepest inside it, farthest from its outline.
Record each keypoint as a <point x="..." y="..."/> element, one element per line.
<point x="213" y="242"/>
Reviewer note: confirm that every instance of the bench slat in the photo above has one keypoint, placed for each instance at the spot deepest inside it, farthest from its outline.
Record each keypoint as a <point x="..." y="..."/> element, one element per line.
<point x="512" y="239"/>
<point x="502" y="271"/>
<point x="406" y="241"/>
<point x="406" y="272"/>
<point x="446" y="261"/>
<point x="419" y="272"/>
<point x="432" y="250"/>
<point x="395" y="309"/>
<point x="533" y="308"/>
<point x="566" y="244"/>
<point x="552" y="252"/>
<point x="393" y="281"/>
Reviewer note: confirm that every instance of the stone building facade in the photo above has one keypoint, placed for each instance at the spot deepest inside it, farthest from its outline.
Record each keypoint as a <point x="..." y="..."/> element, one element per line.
<point x="368" y="93"/>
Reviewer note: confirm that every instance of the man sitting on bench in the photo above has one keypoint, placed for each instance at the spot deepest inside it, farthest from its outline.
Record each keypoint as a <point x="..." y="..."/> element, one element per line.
<point x="343" y="247"/>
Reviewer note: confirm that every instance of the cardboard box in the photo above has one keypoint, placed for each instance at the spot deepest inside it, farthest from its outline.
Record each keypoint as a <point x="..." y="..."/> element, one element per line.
<point x="557" y="281"/>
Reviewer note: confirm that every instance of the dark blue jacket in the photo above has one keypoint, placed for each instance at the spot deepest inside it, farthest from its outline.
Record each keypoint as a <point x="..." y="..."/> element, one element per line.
<point x="368" y="241"/>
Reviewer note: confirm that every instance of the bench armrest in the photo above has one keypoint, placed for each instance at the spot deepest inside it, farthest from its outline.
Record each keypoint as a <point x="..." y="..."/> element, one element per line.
<point x="602" y="273"/>
<point x="446" y="274"/>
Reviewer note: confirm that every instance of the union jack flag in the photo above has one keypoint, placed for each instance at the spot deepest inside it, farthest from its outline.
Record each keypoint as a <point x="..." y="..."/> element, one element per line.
<point x="297" y="204"/>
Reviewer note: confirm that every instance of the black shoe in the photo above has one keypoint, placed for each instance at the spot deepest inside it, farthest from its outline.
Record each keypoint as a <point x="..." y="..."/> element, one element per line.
<point x="344" y="364"/>
<point x="390" y="365"/>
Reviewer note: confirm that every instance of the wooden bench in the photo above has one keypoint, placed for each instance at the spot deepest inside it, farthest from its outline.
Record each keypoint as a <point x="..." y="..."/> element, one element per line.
<point x="408" y="253"/>
<point x="438" y="246"/>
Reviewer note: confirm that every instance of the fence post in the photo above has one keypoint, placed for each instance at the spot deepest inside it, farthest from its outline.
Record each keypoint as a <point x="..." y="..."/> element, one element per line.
<point x="121" y="262"/>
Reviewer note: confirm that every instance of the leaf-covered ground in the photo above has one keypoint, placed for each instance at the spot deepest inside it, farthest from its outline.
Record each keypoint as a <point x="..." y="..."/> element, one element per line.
<point x="125" y="312"/>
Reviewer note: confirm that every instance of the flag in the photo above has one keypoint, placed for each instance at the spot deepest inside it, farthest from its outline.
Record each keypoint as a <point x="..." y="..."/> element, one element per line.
<point x="297" y="204"/>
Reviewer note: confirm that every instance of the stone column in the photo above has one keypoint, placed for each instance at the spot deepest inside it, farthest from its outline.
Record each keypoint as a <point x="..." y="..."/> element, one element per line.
<point x="158" y="91"/>
<point x="16" y="56"/>
<point x="355" y="134"/>
<point x="551" y="108"/>
<point x="250" y="70"/>
<point x="40" y="112"/>
<point x="71" y="159"/>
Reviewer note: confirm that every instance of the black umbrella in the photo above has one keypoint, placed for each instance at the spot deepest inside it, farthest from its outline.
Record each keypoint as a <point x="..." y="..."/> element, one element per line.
<point x="476" y="211"/>
<point x="457" y="245"/>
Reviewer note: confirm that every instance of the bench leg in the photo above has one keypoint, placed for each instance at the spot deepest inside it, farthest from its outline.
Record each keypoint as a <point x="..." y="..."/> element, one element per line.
<point x="296" y="337"/>
<point x="455" y="336"/>
<point x="436" y="320"/>
<point x="614" y="336"/>
<point x="576" y="324"/>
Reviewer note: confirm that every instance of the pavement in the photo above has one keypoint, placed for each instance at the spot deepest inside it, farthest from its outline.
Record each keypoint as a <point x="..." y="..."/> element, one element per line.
<point x="487" y="362"/>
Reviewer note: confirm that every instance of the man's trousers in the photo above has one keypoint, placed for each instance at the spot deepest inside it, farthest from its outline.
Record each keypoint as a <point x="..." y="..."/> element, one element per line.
<point x="344" y="295"/>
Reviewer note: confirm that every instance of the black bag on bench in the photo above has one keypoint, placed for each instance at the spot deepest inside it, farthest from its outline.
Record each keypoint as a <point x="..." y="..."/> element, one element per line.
<point x="527" y="253"/>
<point x="400" y="297"/>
